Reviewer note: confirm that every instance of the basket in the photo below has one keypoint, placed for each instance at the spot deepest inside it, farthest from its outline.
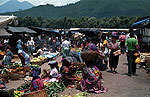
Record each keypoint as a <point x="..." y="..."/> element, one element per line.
<point x="80" y="65"/>
<point x="39" y="93"/>
<point x="4" y="78"/>
<point x="148" y="61"/>
<point x="15" y="76"/>
<point x="89" y="55"/>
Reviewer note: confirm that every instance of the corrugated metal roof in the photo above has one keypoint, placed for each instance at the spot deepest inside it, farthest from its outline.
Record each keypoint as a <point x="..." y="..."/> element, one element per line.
<point x="21" y="30"/>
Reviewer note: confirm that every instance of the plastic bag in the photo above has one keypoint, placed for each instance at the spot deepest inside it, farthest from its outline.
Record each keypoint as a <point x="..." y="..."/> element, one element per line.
<point x="137" y="61"/>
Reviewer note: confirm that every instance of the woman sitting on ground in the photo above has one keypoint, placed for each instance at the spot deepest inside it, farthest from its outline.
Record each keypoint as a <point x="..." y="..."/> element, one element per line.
<point x="36" y="83"/>
<point x="53" y="73"/>
<point x="66" y="73"/>
<point x="91" y="81"/>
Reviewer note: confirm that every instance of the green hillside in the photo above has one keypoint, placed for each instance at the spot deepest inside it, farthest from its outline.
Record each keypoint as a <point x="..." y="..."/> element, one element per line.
<point x="90" y="8"/>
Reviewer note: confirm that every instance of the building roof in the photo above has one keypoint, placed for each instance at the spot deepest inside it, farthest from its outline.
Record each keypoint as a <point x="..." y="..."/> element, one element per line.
<point x="3" y="32"/>
<point x="20" y="30"/>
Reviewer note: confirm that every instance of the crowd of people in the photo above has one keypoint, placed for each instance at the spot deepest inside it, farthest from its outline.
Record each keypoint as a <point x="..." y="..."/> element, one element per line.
<point x="108" y="47"/>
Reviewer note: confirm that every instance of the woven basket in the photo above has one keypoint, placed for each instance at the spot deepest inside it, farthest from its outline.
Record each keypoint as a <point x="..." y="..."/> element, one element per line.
<point x="39" y="93"/>
<point x="15" y="76"/>
<point x="89" y="55"/>
<point x="80" y="65"/>
<point x="148" y="61"/>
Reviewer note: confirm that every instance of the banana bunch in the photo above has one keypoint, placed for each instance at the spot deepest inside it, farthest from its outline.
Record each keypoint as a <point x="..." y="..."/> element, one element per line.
<point x="18" y="93"/>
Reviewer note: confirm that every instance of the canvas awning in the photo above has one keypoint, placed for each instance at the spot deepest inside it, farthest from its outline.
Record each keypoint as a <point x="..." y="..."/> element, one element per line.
<point x="20" y="30"/>
<point x="3" y="32"/>
<point x="4" y="20"/>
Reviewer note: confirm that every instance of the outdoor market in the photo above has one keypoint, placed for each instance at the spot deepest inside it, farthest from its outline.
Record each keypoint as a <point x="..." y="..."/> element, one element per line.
<point x="44" y="62"/>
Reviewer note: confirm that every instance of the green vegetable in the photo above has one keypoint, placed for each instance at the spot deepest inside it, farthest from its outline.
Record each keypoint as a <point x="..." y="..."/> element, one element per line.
<point x="4" y="71"/>
<point x="23" y="87"/>
<point x="54" y="87"/>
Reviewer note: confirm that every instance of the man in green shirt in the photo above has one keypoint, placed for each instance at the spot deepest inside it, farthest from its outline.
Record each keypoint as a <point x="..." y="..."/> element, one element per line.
<point x="132" y="44"/>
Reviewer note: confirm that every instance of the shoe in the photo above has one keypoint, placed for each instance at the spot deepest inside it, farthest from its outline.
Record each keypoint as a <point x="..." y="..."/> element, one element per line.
<point x="135" y="74"/>
<point x="129" y="75"/>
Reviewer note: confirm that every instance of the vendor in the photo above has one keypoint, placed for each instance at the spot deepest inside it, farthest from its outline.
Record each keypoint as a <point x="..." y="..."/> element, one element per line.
<point x="67" y="77"/>
<point x="91" y="81"/>
<point x="38" y="53"/>
<point x="8" y="57"/>
<point x="19" y="44"/>
<point x="25" y="60"/>
<point x="36" y="83"/>
<point x="53" y="73"/>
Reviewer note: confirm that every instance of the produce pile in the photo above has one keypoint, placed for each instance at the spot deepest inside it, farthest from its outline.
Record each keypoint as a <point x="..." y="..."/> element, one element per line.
<point x="23" y="87"/>
<point x="53" y="88"/>
<point x="20" y="90"/>
<point x="17" y="64"/>
<point x="38" y="59"/>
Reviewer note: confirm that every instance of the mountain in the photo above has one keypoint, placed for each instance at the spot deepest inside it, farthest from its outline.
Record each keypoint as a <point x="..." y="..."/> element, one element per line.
<point x="14" y="5"/>
<point x="90" y="8"/>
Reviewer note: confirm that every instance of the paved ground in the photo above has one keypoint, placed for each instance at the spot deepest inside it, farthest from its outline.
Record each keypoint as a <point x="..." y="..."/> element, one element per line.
<point x="119" y="85"/>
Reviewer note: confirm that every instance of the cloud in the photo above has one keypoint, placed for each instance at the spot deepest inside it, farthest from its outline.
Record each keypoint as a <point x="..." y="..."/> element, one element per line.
<point x="54" y="2"/>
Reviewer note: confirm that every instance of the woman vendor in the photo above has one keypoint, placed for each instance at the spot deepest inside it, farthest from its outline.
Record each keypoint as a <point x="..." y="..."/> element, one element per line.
<point x="36" y="83"/>
<point x="113" y="59"/>
<point x="53" y="73"/>
<point x="25" y="60"/>
<point x="91" y="81"/>
<point x="8" y="57"/>
<point x="67" y="77"/>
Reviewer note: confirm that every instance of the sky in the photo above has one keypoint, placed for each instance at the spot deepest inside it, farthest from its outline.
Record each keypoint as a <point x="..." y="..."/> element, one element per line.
<point x="42" y="2"/>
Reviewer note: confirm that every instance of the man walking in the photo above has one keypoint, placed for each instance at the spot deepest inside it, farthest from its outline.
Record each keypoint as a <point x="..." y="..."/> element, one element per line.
<point x="132" y="44"/>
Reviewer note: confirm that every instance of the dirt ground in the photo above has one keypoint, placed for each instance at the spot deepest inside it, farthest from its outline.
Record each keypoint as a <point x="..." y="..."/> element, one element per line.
<point x="119" y="85"/>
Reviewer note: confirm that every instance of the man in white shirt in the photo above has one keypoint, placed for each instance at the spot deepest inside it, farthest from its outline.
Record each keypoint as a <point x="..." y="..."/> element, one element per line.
<point x="65" y="47"/>
<point x="30" y="44"/>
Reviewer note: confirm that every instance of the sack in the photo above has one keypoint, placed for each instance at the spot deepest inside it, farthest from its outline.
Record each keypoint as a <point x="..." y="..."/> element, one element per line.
<point x="137" y="61"/>
<point x="117" y="53"/>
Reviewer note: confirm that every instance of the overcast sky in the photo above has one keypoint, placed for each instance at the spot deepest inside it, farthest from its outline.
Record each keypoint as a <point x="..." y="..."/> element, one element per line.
<point x="41" y="2"/>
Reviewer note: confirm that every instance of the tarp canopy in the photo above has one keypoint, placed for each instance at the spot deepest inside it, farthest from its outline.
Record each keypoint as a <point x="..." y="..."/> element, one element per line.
<point x="3" y="32"/>
<point x="140" y="22"/>
<point x="20" y="30"/>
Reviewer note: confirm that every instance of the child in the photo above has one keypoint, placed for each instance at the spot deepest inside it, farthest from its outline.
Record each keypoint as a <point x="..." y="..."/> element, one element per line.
<point x="53" y="73"/>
